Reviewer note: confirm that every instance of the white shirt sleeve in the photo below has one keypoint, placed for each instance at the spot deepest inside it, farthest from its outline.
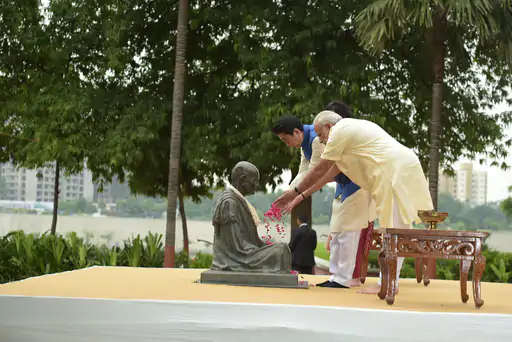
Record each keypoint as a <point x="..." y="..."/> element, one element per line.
<point x="318" y="149"/>
<point x="303" y="170"/>
<point x="306" y="165"/>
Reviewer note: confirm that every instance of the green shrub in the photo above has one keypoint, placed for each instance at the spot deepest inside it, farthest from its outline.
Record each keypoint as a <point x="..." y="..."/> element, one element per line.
<point x="498" y="269"/>
<point x="28" y="255"/>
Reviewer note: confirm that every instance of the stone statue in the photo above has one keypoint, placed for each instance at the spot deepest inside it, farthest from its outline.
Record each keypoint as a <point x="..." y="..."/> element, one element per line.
<point x="237" y="244"/>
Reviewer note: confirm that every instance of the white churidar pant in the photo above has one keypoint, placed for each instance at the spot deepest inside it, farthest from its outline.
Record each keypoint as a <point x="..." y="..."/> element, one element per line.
<point x="342" y="260"/>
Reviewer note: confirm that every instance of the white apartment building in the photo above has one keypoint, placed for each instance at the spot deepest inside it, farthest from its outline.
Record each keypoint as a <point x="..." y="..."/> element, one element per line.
<point x="38" y="185"/>
<point x="468" y="185"/>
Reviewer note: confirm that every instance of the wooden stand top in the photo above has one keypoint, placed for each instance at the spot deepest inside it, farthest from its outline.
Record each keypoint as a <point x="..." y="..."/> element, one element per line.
<point x="432" y="232"/>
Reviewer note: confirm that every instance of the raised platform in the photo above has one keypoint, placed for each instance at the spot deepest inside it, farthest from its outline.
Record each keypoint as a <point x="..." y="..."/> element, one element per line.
<point x="143" y="304"/>
<point x="252" y="279"/>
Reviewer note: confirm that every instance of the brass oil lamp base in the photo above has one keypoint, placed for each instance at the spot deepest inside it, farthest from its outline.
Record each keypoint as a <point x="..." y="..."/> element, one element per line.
<point x="432" y="218"/>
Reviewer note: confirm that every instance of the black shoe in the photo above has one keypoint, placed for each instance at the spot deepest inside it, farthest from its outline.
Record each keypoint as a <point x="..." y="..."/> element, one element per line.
<point x="326" y="283"/>
<point x="336" y="285"/>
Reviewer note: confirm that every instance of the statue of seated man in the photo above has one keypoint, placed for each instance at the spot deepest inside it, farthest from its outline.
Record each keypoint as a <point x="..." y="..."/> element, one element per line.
<point x="237" y="244"/>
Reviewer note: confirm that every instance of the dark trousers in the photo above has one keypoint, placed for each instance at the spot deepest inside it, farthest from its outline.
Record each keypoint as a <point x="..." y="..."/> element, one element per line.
<point x="303" y="269"/>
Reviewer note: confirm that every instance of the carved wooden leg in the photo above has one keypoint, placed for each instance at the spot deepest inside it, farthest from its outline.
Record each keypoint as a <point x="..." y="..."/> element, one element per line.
<point x="384" y="269"/>
<point x="478" y="272"/>
<point x="426" y="279"/>
<point x="464" y="270"/>
<point x="364" y="268"/>
<point x="418" y="266"/>
<point x="392" y="266"/>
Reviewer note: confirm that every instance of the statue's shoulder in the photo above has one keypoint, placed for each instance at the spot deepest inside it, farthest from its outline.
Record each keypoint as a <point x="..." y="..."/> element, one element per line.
<point x="226" y="208"/>
<point x="226" y="199"/>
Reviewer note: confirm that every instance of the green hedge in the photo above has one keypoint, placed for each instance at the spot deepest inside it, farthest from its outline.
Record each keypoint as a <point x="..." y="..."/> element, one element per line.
<point x="28" y="255"/>
<point x="498" y="269"/>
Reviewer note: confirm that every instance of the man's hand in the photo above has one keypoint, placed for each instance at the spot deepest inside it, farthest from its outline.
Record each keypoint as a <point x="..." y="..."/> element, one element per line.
<point x="285" y="198"/>
<point x="288" y="208"/>
<point x="328" y="243"/>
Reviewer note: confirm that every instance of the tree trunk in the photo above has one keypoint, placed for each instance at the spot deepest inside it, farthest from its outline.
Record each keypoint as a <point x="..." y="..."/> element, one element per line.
<point x="438" y="46"/>
<point x="183" y="217"/>
<point x="303" y="209"/>
<point x="53" y="230"/>
<point x="175" y="144"/>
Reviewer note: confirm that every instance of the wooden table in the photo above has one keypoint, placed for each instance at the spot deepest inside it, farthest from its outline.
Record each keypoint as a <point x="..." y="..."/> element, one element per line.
<point x="465" y="246"/>
<point x="376" y="245"/>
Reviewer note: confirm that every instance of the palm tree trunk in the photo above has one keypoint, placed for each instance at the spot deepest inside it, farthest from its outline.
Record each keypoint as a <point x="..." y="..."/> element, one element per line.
<point x="53" y="230"/>
<point x="438" y="60"/>
<point x="174" y="156"/>
<point x="183" y="217"/>
<point x="438" y="46"/>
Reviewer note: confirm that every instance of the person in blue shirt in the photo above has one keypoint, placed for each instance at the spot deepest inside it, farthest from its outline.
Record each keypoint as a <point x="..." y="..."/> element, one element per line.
<point x="298" y="135"/>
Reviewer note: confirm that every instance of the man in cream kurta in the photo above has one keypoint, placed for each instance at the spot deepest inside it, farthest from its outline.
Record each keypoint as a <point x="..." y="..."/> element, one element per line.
<point x="381" y="165"/>
<point x="376" y="162"/>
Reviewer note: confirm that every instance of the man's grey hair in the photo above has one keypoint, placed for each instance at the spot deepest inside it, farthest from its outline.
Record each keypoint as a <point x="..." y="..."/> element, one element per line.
<point x="327" y="117"/>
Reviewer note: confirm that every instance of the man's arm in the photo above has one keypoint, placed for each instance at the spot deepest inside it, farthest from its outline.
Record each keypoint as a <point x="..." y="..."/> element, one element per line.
<point x="328" y="177"/>
<point x="318" y="149"/>
<point x="323" y="172"/>
<point x="303" y="169"/>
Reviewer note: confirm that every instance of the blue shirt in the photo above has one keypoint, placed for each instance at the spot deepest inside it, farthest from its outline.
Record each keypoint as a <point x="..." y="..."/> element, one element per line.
<point x="307" y="142"/>
<point x="344" y="187"/>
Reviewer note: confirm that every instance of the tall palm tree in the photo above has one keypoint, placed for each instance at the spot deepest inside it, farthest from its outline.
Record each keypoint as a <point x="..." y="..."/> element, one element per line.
<point x="485" y="21"/>
<point x="383" y="21"/>
<point x="177" y="112"/>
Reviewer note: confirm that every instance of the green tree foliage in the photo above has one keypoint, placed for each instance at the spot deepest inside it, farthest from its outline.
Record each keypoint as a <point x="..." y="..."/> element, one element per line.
<point x="248" y="63"/>
<point x="452" y="45"/>
<point x="506" y="207"/>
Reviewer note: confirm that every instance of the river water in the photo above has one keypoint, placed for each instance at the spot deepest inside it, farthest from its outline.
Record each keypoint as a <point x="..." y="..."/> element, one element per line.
<point x="114" y="230"/>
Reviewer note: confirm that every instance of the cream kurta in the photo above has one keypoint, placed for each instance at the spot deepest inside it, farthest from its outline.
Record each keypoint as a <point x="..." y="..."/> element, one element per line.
<point x="376" y="162"/>
<point x="353" y="213"/>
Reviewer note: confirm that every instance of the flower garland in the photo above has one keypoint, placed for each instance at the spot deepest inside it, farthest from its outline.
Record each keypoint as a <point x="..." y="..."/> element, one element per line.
<point x="273" y="217"/>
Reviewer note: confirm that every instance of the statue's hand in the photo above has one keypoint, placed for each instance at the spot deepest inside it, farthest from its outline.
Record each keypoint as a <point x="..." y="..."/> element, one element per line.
<point x="285" y="198"/>
<point x="288" y="209"/>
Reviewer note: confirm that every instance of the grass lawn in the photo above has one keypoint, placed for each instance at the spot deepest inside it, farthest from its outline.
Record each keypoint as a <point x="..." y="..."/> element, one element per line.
<point x="321" y="252"/>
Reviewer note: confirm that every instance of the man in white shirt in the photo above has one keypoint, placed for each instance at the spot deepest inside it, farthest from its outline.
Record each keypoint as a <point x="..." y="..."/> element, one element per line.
<point x="376" y="162"/>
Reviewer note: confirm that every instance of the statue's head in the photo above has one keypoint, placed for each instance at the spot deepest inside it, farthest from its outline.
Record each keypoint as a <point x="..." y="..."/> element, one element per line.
<point x="245" y="178"/>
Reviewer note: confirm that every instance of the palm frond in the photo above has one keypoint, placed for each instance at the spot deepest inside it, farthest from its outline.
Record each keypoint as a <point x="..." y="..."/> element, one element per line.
<point x="387" y="20"/>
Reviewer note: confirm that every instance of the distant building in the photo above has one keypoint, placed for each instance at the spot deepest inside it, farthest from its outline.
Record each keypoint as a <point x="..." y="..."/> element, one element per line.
<point x="468" y="185"/>
<point x="37" y="185"/>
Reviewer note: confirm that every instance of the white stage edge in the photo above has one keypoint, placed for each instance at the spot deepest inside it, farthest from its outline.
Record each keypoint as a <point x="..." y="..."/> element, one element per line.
<point x="55" y="319"/>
